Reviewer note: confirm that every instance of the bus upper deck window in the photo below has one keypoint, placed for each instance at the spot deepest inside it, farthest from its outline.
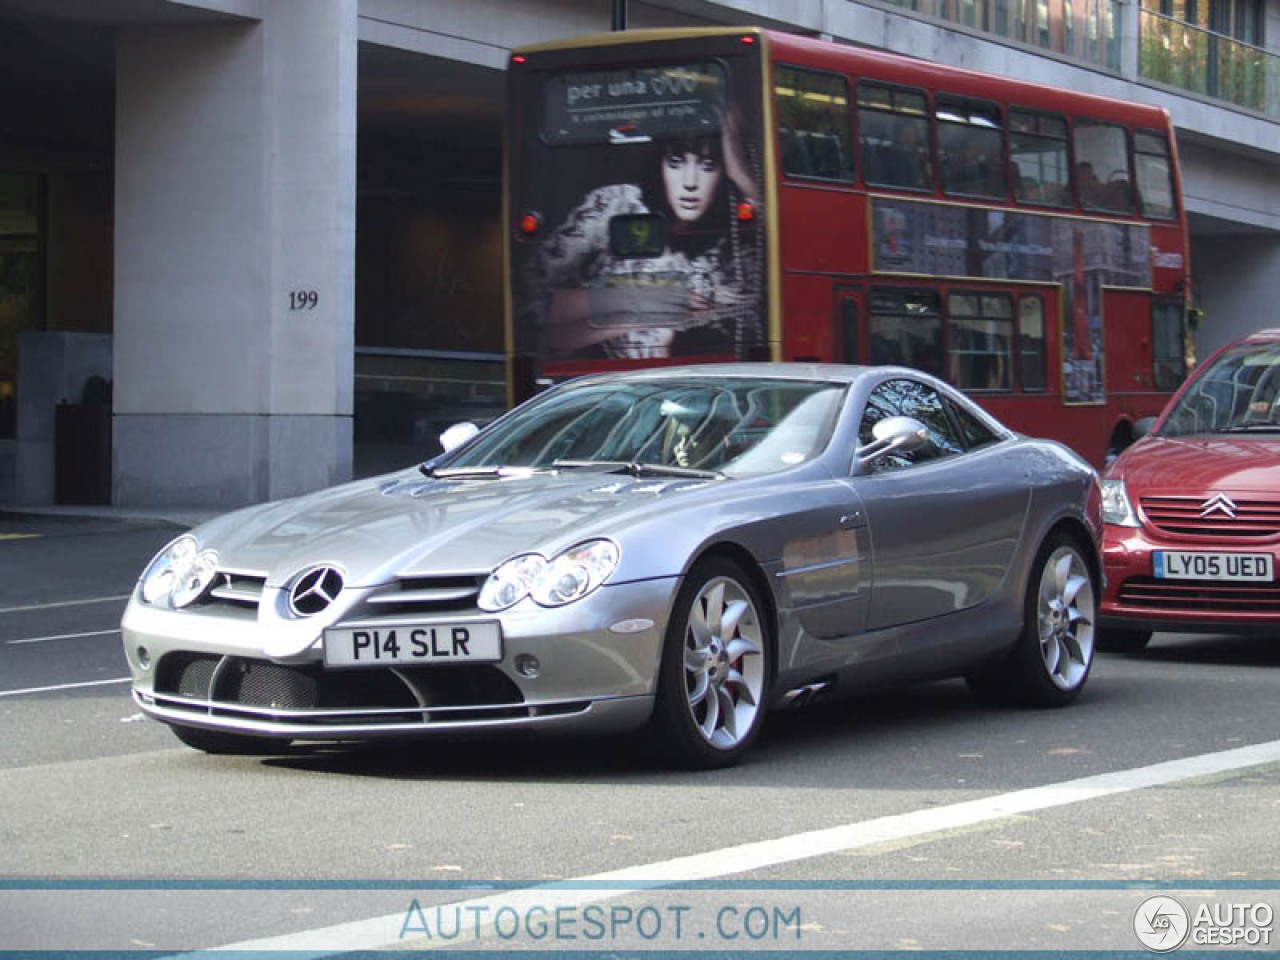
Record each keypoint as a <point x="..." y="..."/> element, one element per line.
<point x="1102" y="167"/>
<point x="815" y="130"/>
<point x="893" y="134"/>
<point x="1039" y="161"/>
<point x="1155" y="175"/>
<point x="971" y="147"/>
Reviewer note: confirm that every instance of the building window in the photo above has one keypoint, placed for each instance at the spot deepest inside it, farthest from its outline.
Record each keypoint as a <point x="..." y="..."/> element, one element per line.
<point x="814" y="124"/>
<point x="21" y="280"/>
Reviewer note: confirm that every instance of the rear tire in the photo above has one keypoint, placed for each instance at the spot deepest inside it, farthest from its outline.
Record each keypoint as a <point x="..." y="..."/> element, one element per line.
<point x="228" y="744"/>
<point x="716" y="668"/>
<point x="1123" y="641"/>
<point x="1050" y="662"/>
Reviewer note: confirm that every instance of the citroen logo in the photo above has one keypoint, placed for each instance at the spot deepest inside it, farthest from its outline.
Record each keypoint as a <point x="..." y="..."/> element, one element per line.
<point x="315" y="590"/>
<point x="1220" y="503"/>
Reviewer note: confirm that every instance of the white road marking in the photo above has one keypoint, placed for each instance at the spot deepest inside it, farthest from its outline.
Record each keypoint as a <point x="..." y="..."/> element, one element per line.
<point x="382" y="932"/>
<point x="62" y="686"/>
<point x="66" y="636"/>
<point x="62" y="603"/>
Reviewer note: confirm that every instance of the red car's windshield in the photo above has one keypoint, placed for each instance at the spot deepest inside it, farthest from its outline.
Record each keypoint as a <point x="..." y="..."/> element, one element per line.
<point x="1239" y="392"/>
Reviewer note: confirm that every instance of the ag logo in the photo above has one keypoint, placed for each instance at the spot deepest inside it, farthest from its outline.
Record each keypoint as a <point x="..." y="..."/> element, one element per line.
<point x="1162" y="924"/>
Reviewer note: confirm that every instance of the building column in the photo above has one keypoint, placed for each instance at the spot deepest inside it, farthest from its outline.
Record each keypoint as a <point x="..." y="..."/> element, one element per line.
<point x="234" y="259"/>
<point x="1236" y="279"/>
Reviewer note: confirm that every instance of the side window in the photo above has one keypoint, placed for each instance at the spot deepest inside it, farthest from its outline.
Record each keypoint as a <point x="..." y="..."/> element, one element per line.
<point x="974" y="432"/>
<point x="893" y="135"/>
<point x="1155" y="175"/>
<point x="1168" y="355"/>
<point x="815" y="128"/>
<point x="970" y="147"/>
<point x="1031" y="353"/>
<point x="1039" y="161"/>
<point x="910" y="398"/>
<point x="1102" y="167"/>
<point x="980" y="341"/>
<point x="905" y="328"/>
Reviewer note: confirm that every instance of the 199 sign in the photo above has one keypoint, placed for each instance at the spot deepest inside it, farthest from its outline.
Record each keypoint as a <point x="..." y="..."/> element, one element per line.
<point x="303" y="299"/>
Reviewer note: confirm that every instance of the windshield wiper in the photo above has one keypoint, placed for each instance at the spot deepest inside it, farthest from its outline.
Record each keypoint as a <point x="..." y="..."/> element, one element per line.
<point x="639" y="468"/>
<point x="476" y="473"/>
<point x="1260" y="426"/>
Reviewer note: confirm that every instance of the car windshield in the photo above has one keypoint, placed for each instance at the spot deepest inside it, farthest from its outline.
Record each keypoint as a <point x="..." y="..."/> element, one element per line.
<point x="718" y="425"/>
<point x="1238" y="393"/>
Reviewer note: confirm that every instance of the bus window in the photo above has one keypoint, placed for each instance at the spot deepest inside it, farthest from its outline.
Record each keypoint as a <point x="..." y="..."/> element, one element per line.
<point x="980" y="341"/>
<point x="906" y="329"/>
<point x="970" y="147"/>
<point x="814" y="124"/>
<point x="1040" y="167"/>
<point x="1155" y="181"/>
<point x="1168" y="355"/>
<point x="893" y="135"/>
<point x="1102" y="167"/>
<point x="1031" y="356"/>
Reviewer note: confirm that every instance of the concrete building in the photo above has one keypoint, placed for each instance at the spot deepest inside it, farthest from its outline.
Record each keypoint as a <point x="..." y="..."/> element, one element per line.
<point x="249" y="247"/>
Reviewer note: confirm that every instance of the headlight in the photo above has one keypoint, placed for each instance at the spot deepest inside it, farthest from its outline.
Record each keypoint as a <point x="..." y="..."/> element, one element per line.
<point x="569" y="576"/>
<point x="575" y="573"/>
<point x="180" y="573"/>
<point x="1116" y="507"/>
<point x="511" y="582"/>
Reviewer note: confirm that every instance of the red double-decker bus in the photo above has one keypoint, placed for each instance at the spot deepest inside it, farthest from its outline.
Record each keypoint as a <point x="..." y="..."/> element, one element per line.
<point x="722" y="194"/>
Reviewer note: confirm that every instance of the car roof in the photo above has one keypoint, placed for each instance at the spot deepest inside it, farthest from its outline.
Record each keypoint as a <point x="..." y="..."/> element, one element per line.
<point x="1269" y="335"/>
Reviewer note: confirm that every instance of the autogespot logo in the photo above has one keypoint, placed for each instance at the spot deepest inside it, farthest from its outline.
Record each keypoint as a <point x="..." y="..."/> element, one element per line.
<point x="1162" y="924"/>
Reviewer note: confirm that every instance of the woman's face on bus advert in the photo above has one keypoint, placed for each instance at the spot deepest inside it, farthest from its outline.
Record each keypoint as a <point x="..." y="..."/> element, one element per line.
<point x="691" y="177"/>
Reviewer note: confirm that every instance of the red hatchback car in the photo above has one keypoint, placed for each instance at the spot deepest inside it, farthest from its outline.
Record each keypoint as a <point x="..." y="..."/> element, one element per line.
<point x="1192" y="510"/>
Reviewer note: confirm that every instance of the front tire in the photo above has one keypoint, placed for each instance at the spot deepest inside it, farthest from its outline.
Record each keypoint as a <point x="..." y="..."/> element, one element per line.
<point x="1050" y="662"/>
<point x="228" y="744"/>
<point x="716" y="668"/>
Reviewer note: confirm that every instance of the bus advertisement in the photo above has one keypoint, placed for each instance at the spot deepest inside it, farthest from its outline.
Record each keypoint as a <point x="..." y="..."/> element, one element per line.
<point x="728" y="194"/>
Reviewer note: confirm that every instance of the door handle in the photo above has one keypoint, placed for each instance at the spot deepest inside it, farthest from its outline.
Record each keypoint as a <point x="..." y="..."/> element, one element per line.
<point x="850" y="520"/>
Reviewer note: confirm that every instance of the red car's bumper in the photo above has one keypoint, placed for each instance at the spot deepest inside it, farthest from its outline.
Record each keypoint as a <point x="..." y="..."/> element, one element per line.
<point x="1136" y="599"/>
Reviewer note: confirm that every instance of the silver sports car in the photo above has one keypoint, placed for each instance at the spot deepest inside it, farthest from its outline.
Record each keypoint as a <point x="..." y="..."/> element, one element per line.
<point x="681" y="547"/>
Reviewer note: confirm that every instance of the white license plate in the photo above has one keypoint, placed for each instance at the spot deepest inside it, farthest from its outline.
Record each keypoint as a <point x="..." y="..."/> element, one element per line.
<point x="1186" y="565"/>
<point x="421" y="644"/>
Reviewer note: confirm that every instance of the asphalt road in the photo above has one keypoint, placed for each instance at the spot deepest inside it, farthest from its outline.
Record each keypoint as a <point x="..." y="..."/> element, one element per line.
<point x="911" y="820"/>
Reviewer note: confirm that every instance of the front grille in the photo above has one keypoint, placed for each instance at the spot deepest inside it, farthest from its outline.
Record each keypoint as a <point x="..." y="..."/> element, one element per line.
<point x="1254" y="519"/>
<point x="1200" y="596"/>
<point x="309" y="695"/>
<point x="427" y="595"/>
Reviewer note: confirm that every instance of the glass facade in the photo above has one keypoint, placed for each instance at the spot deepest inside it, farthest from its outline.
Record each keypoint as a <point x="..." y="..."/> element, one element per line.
<point x="1084" y="30"/>
<point x="1210" y="47"/>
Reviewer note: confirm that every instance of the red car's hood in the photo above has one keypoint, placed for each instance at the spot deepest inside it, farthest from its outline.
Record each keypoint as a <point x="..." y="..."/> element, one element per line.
<point x="1201" y="465"/>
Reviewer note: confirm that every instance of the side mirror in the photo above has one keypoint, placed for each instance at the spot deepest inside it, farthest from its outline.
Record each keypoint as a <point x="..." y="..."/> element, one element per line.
<point x="894" y="435"/>
<point x="458" y="434"/>
<point x="1142" y="427"/>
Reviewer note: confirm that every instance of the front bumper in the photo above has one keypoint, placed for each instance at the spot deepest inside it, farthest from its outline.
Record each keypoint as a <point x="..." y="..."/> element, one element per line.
<point x="1135" y="599"/>
<point x="208" y="669"/>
